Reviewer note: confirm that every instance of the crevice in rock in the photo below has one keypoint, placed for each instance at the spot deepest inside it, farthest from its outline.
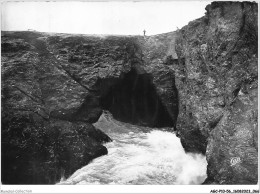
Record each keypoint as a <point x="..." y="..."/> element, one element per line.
<point x="133" y="98"/>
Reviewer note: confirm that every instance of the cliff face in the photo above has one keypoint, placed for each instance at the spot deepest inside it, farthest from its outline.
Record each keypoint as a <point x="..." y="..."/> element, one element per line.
<point x="46" y="124"/>
<point x="54" y="86"/>
<point x="217" y="56"/>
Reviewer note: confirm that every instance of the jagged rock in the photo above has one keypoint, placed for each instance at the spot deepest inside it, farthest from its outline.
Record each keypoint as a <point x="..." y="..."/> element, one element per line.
<point x="218" y="90"/>
<point x="59" y="84"/>
<point x="45" y="115"/>
<point x="40" y="152"/>
<point x="55" y="85"/>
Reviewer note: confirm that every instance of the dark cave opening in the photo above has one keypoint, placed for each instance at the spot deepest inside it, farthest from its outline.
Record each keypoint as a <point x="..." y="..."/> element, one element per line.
<point x="134" y="99"/>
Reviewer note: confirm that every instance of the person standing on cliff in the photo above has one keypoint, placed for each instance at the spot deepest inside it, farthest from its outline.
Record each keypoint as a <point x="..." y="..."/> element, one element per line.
<point x="144" y="33"/>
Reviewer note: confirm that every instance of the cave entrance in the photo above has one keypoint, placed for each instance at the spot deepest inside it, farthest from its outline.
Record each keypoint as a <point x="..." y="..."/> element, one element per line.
<point x="134" y="99"/>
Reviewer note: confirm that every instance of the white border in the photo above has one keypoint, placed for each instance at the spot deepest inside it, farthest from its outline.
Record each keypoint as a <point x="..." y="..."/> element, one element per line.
<point x="127" y="188"/>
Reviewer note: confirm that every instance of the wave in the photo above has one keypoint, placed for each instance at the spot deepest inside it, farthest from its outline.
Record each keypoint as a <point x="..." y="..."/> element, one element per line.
<point x="141" y="155"/>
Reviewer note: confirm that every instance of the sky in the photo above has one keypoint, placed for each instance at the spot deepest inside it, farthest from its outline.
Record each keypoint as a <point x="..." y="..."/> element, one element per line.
<point x="112" y="17"/>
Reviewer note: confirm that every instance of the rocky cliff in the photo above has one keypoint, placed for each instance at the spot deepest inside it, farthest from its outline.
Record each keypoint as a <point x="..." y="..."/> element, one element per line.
<point x="217" y="58"/>
<point x="201" y="81"/>
<point x="43" y="134"/>
<point x="54" y="86"/>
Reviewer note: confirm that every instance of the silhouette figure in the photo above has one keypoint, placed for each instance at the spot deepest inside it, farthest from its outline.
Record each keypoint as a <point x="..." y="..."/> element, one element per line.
<point x="144" y="32"/>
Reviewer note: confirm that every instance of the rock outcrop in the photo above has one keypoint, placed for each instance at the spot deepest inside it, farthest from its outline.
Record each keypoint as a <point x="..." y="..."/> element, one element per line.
<point x="200" y="80"/>
<point x="217" y="58"/>
<point x="46" y="130"/>
<point x="55" y="85"/>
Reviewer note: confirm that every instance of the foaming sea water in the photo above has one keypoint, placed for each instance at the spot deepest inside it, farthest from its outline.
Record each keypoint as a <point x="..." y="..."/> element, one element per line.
<point x="140" y="155"/>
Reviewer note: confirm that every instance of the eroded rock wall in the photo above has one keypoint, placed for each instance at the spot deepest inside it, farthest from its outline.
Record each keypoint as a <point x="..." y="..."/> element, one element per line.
<point x="217" y="83"/>
<point x="52" y="91"/>
<point x="54" y="86"/>
<point x="46" y="114"/>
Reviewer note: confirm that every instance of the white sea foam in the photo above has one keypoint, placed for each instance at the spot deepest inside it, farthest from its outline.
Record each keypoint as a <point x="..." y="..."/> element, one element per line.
<point x="136" y="157"/>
